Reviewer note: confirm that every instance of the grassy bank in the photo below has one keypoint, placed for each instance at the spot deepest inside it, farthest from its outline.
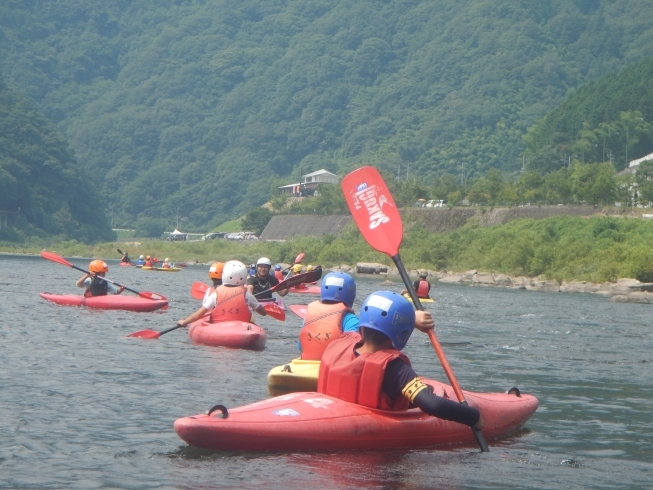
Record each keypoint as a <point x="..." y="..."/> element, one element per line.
<point x="596" y="249"/>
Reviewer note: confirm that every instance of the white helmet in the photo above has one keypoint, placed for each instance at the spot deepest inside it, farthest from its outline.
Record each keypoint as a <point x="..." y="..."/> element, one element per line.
<point x="264" y="261"/>
<point x="234" y="273"/>
<point x="167" y="259"/>
<point x="141" y="257"/>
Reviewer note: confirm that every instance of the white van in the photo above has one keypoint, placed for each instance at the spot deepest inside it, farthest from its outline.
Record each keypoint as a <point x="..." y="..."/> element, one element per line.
<point x="435" y="203"/>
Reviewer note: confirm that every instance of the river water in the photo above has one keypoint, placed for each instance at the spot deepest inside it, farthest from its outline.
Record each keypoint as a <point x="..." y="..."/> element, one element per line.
<point x="82" y="406"/>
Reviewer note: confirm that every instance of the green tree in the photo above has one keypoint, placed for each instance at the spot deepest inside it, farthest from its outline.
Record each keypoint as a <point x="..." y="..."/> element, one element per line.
<point x="644" y="179"/>
<point x="256" y="220"/>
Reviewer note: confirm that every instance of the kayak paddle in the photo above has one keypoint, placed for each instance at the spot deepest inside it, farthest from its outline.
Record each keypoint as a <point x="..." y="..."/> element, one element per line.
<point x="298" y="260"/>
<point x="299" y="310"/>
<point x="275" y="311"/>
<point x="143" y="294"/>
<point x="198" y="289"/>
<point x="152" y="334"/>
<point x="120" y="252"/>
<point x="377" y="217"/>
<point x="309" y="276"/>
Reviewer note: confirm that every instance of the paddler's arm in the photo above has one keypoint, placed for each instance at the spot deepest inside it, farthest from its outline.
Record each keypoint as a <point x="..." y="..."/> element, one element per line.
<point x="424" y="320"/>
<point x="254" y="305"/>
<point x="282" y="292"/>
<point x="207" y="305"/>
<point x="80" y="281"/>
<point x="194" y="317"/>
<point x="401" y="380"/>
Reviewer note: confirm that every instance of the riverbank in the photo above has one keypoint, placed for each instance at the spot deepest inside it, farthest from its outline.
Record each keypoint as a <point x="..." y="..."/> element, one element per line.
<point x="624" y="290"/>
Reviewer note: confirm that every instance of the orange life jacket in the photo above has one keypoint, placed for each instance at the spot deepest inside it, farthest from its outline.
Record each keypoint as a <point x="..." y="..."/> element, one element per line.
<point x="148" y="263"/>
<point x="278" y="275"/>
<point x="166" y="265"/>
<point x="323" y="324"/>
<point x="423" y="289"/>
<point x="357" y="379"/>
<point x="230" y="305"/>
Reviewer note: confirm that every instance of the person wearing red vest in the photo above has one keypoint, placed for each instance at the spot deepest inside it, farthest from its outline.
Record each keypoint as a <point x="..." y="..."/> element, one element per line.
<point x="278" y="273"/>
<point x="422" y="286"/>
<point x="370" y="370"/>
<point x="329" y="317"/>
<point x="229" y="301"/>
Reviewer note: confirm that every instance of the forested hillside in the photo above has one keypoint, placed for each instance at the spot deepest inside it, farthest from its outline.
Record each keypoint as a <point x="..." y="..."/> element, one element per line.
<point x="199" y="107"/>
<point x="609" y="119"/>
<point x="40" y="179"/>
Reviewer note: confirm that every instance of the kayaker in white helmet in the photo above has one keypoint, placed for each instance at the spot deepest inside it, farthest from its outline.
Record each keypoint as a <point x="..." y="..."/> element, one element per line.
<point x="387" y="320"/>
<point x="93" y="283"/>
<point x="262" y="281"/>
<point x="230" y="301"/>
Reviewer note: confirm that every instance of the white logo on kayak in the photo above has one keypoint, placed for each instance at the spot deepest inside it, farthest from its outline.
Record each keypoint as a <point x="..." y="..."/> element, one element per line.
<point x="319" y="402"/>
<point x="373" y="202"/>
<point x="286" y="412"/>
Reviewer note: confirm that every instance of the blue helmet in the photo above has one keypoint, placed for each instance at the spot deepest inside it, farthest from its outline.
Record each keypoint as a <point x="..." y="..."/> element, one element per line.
<point x="277" y="267"/>
<point x="391" y="314"/>
<point x="338" y="286"/>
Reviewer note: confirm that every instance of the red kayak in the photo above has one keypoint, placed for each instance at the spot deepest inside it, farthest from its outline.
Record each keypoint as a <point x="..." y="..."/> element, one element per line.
<point x="124" y="264"/>
<point x="307" y="290"/>
<point x="309" y="421"/>
<point x="108" y="302"/>
<point x="233" y="334"/>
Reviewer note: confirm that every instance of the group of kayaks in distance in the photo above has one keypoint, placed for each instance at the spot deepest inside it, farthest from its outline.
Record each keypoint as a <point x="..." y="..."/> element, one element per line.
<point x="316" y="411"/>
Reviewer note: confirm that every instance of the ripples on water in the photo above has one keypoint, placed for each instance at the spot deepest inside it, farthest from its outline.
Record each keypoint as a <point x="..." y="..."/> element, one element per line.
<point x="84" y="407"/>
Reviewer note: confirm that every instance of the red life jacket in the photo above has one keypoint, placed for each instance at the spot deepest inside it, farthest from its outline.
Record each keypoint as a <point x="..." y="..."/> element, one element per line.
<point x="230" y="305"/>
<point x="278" y="275"/>
<point x="323" y="324"/>
<point x="148" y="263"/>
<point x="423" y="289"/>
<point x="357" y="379"/>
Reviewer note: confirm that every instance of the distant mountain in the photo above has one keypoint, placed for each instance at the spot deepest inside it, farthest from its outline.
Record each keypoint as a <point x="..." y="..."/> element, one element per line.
<point x="41" y="181"/>
<point x="202" y="106"/>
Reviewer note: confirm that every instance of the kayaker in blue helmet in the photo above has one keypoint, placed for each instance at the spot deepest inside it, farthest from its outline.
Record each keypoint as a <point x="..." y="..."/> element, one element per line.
<point x="370" y="370"/>
<point x="330" y="316"/>
<point x="278" y="273"/>
<point x="333" y="315"/>
<point x="93" y="283"/>
<point x="140" y="261"/>
<point x="260" y="283"/>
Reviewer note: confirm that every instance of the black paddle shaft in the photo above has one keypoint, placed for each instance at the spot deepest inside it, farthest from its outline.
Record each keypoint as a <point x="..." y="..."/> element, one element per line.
<point x="105" y="279"/>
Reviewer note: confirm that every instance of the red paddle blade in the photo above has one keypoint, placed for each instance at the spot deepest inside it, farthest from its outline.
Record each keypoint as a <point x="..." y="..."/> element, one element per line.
<point x="55" y="258"/>
<point x="198" y="289"/>
<point x="155" y="297"/>
<point x="299" y="310"/>
<point x="299" y="258"/>
<point x="275" y="312"/>
<point x="373" y="209"/>
<point x="145" y="334"/>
